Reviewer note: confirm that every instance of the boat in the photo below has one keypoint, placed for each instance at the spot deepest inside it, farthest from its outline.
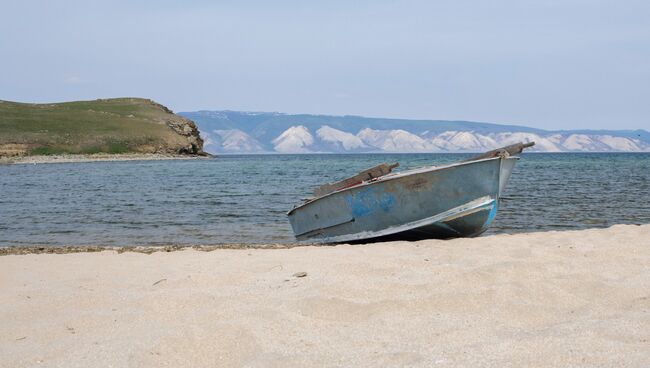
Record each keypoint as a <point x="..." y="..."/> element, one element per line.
<point x="456" y="200"/>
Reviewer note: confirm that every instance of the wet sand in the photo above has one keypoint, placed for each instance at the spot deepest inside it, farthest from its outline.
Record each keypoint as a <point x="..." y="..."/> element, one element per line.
<point x="578" y="298"/>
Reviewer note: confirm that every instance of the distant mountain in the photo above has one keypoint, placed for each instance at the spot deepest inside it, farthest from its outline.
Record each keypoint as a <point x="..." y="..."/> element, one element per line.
<point x="270" y="132"/>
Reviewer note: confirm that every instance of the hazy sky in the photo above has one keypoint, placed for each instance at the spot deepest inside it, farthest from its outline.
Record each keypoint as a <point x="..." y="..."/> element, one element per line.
<point x="549" y="64"/>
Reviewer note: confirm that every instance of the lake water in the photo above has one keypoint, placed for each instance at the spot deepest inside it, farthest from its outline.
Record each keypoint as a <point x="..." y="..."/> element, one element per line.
<point x="243" y="199"/>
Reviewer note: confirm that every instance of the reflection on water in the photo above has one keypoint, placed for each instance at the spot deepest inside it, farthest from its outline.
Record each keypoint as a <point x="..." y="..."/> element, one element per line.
<point x="243" y="199"/>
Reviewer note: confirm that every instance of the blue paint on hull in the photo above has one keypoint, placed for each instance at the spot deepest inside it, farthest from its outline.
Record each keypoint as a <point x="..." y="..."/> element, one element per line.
<point x="369" y="200"/>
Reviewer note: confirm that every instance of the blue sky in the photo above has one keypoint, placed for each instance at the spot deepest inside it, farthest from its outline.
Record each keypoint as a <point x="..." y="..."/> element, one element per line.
<point x="548" y="64"/>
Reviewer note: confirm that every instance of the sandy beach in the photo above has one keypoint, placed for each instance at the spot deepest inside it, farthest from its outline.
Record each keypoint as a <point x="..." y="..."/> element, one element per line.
<point x="550" y="299"/>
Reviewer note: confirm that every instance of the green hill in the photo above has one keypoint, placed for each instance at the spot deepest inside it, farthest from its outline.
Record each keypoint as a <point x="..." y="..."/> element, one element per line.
<point x="118" y="125"/>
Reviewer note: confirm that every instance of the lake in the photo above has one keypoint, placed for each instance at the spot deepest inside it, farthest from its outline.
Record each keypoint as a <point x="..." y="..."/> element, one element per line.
<point x="244" y="199"/>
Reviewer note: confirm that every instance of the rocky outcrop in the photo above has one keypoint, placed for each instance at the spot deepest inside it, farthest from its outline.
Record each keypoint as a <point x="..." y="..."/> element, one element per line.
<point x="186" y="128"/>
<point x="13" y="150"/>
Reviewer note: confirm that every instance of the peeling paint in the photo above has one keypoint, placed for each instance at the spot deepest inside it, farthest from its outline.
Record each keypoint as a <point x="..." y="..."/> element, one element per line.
<point x="368" y="200"/>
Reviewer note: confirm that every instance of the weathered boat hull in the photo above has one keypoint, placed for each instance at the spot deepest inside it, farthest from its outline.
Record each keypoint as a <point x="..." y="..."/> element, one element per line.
<point x="458" y="200"/>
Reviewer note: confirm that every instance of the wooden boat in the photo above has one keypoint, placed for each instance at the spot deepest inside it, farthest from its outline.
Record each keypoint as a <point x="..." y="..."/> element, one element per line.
<point x="456" y="200"/>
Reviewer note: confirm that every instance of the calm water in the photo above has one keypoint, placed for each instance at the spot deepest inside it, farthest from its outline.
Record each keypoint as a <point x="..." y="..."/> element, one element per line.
<point x="243" y="199"/>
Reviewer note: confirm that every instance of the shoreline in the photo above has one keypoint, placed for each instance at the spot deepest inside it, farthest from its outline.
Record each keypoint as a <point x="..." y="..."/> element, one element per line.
<point x="166" y="248"/>
<point x="95" y="157"/>
<point x="145" y="249"/>
<point x="561" y="298"/>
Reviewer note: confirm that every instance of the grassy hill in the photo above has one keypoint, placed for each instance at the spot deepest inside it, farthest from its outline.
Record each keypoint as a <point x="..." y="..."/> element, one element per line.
<point x="119" y="125"/>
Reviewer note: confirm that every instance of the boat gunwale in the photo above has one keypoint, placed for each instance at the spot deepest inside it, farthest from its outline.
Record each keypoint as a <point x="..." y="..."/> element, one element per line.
<point x="399" y="175"/>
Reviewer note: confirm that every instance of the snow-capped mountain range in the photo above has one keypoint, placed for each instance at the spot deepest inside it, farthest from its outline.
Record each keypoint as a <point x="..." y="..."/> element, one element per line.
<point x="245" y="132"/>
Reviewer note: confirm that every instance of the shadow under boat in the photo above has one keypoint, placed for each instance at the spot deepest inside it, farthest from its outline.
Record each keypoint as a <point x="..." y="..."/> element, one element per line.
<point x="456" y="200"/>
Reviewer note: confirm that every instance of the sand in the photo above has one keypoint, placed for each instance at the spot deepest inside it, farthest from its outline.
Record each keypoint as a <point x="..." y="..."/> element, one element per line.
<point x="556" y="299"/>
